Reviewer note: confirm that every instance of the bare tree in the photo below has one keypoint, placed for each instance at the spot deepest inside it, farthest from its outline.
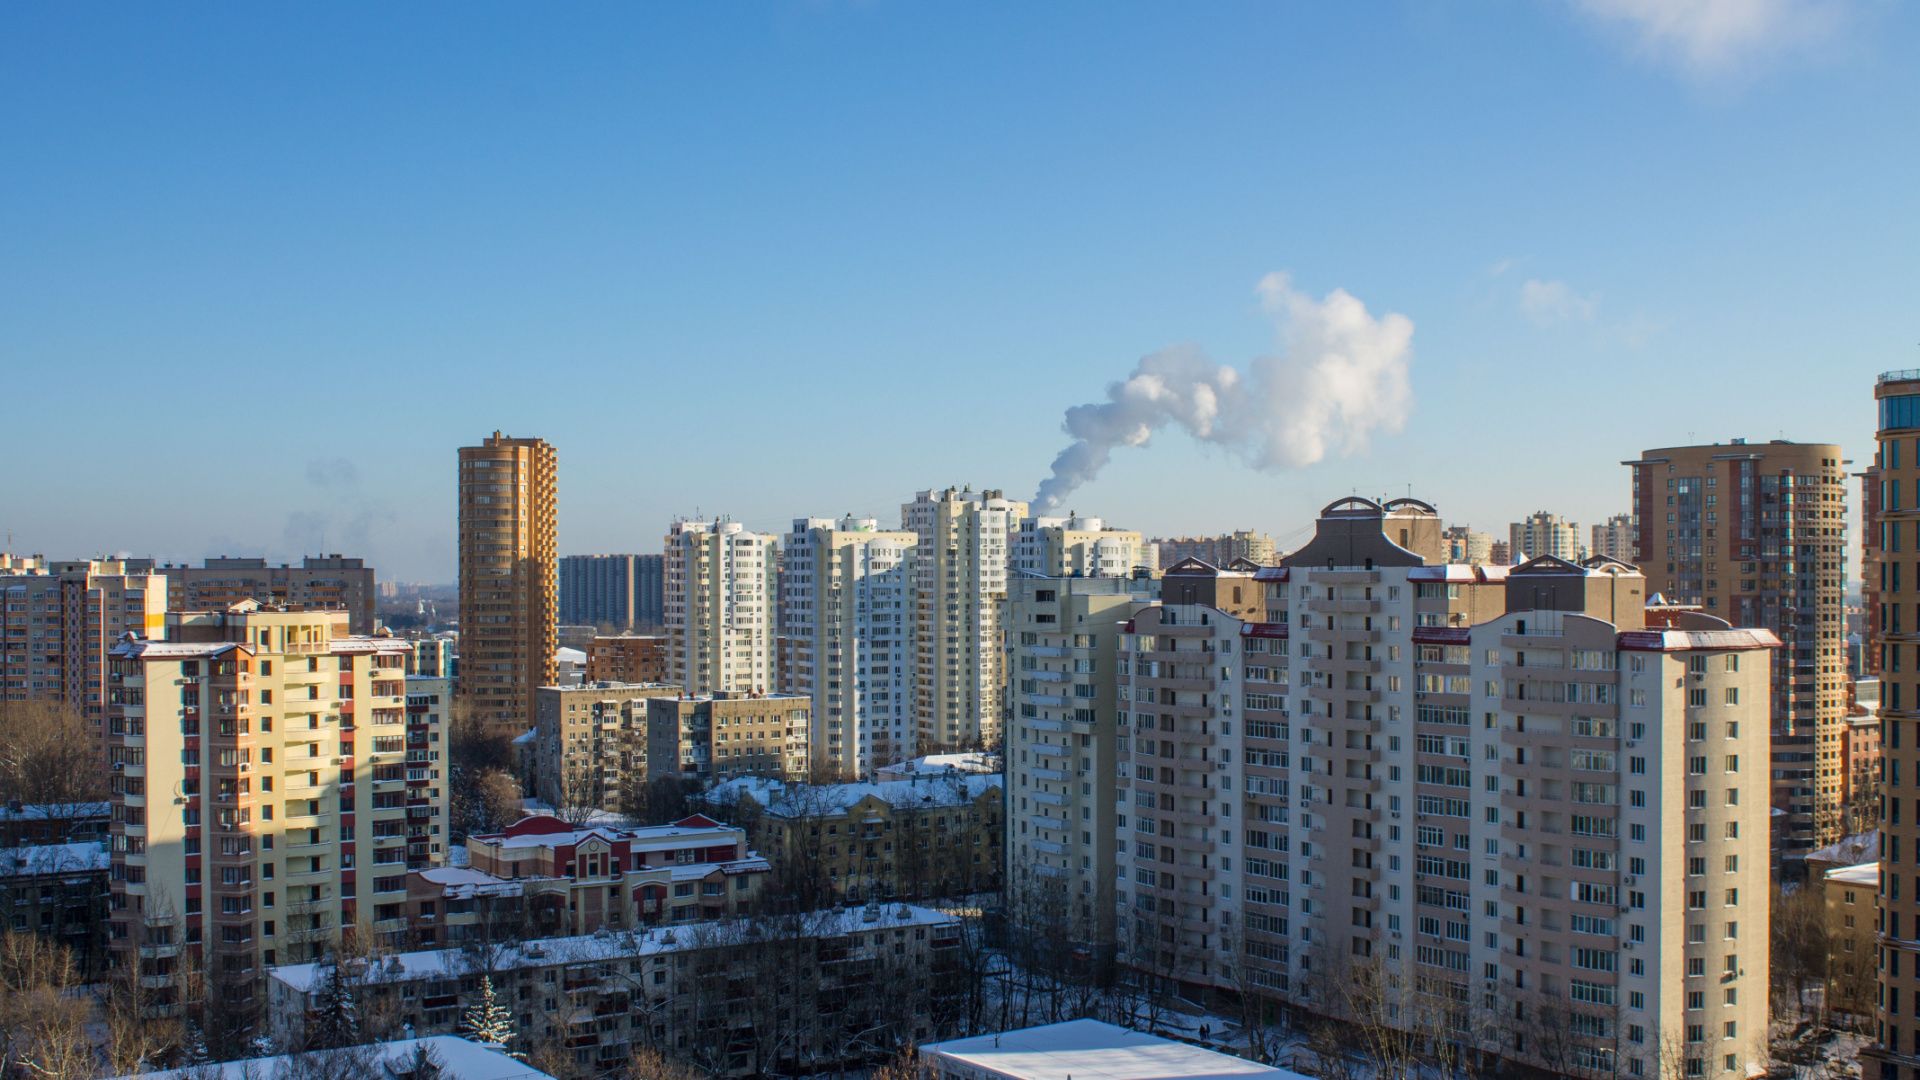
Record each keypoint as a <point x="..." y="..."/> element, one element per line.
<point x="485" y="801"/>
<point x="1800" y="946"/>
<point x="42" y="1019"/>
<point x="49" y="760"/>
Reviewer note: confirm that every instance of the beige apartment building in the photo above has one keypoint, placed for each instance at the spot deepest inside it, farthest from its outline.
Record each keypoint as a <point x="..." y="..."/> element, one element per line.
<point x="724" y="735"/>
<point x="963" y="548"/>
<point x="1063" y="636"/>
<point x="509" y="594"/>
<point x="721" y="607"/>
<point x="320" y="582"/>
<point x="1893" y="636"/>
<point x="1494" y="807"/>
<point x="1218" y="550"/>
<point x="627" y="658"/>
<point x="1755" y="533"/>
<point x="1076" y="546"/>
<point x="269" y="794"/>
<point x="1541" y="533"/>
<point x="1617" y="538"/>
<point x="590" y="741"/>
<point x="62" y="618"/>
<point x="1467" y="546"/>
<point x="847" y="614"/>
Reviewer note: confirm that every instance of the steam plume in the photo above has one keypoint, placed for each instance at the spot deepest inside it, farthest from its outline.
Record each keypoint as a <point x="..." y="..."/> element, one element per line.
<point x="1340" y="374"/>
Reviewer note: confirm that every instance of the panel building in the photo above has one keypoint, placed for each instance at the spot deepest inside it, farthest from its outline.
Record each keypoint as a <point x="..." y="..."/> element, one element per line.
<point x="509" y="604"/>
<point x="623" y="592"/>
<point x="719" y="736"/>
<point x="722" y="607"/>
<point x="1218" y="550"/>
<point x="847" y="615"/>
<point x="590" y="741"/>
<point x="1541" y="533"/>
<point x="320" y="582"/>
<point x="1076" y="547"/>
<point x="62" y="618"/>
<point x="963" y="547"/>
<point x="1756" y="534"/>
<point x="1617" y="538"/>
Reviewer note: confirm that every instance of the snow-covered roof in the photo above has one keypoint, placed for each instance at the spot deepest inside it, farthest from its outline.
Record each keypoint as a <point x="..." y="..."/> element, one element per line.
<point x="972" y="762"/>
<point x="564" y="655"/>
<point x="1092" y="1050"/>
<point x="611" y="945"/>
<point x="458" y="1058"/>
<point x="1849" y="850"/>
<point x="1867" y="874"/>
<point x="799" y="800"/>
<point x="52" y="859"/>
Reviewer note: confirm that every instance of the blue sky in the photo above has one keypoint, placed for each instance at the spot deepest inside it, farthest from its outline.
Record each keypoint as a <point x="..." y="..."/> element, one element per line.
<point x="263" y="269"/>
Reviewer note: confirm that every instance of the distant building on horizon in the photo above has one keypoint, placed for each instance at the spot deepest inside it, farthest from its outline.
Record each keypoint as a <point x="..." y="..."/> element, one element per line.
<point x="320" y="582"/>
<point x="1617" y="538"/>
<point x="623" y="592"/>
<point x="1467" y="546"/>
<point x="1541" y="533"/>
<point x="1219" y="550"/>
<point x="509" y="604"/>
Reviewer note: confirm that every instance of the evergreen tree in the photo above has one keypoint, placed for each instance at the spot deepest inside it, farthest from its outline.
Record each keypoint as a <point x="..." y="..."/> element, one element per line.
<point x="336" y="1018"/>
<point x="488" y="1022"/>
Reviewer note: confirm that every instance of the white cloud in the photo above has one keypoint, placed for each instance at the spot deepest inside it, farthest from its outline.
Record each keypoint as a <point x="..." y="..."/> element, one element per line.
<point x="1717" y="38"/>
<point x="1547" y="302"/>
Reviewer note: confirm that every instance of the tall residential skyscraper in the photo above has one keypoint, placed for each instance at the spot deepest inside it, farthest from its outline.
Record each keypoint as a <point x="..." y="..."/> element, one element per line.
<point x="846" y="607"/>
<point x="320" y="582"/>
<point x="1618" y="538"/>
<point x="960" y="585"/>
<point x="621" y="591"/>
<point x="721" y="607"/>
<point x="270" y="794"/>
<point x="1513" y="805"/>
<point x="1894" y="634"/>
<point x="1755" y="533"/>
<point x="1075" y="547"/>
<point x="1541" y="533"/>
<point x="60" y="620"/>
<point x="1218" y="550"/>
<point x="509" y="604"/>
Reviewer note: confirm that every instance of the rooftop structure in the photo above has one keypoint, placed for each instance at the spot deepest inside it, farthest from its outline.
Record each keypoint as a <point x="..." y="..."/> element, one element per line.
<point x="1089" y="1050"/>
<point x="457" y="1058"/>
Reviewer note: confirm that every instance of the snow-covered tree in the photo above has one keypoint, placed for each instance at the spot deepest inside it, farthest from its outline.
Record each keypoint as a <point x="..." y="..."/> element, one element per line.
<point x="335" y="1020"/>
<point x="486" y="1021"/>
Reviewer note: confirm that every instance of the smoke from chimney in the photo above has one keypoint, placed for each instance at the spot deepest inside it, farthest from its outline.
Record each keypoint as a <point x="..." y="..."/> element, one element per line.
<point x="1340" y="374"/>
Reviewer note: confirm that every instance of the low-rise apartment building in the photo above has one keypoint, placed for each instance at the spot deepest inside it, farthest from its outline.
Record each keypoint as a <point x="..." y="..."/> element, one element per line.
<point x="590" y="741"/>
<point x="726" y="735"/>
<point x="789" y="995"/>
<point x="627" y="658"/>
<point x="58" y="891"/>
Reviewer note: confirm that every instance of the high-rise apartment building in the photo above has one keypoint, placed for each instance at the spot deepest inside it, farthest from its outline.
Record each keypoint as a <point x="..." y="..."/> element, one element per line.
<point x="847" y="612"/>
<point x="1467" y="546"/>
<point x="1893" y="633"/>
<point x="963" y="546"/>
<point x="1063" y="635"/>
<point x="721" y="607"/>
<point x="269" y="794"/>
<point x="1755" y="533"/>
<point x="1076" y="547"/>
<point x="1218" y="550"/>
<point x="60" y="620"/>
<point x="1498" y="807"/>
<point x="621" y="591"/>
<point x="1618" y="539"/>
<point x="509" y="604"/>
<point x="1541" y="533"/>
<point x="320" y="582"/>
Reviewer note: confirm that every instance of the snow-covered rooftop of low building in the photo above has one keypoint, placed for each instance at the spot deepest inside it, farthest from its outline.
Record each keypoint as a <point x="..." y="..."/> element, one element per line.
<point x="1867" y="874"/>
<point x="1849" y="850"/>
<point x="457" y="1057"/>
<point x="800" y="800"/>
<point x="619" y="945"/>
<point x="53" y="859"/>
<point x="1092" y="1050"/>
<point x="971" y="762"/>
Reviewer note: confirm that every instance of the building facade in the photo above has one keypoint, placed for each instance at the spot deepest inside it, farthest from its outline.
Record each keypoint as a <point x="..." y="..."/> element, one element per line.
<point x="1218" y="550"/>
<point x="627" y="658"/>
<point x="1076" y="546"/>
<point x="722" y="605"/>
<point x="623" y="592"/>
<point x="509" y="602"/>
<point x="1468" y="547"/>
<point x="1617" y="538"/>
<point x="61" y="620"/>
<point x="320" y="582"/>
<point x="590" y="741"/>
<point x="1541" y="533"/>
<point x="724" y="735"/>
<point x="269" y="792"/>
<point x="847" y="613"/>
<point x="1063" y="653"/>
<point x="1756" y="534"/>
<point x="963" y="546"/>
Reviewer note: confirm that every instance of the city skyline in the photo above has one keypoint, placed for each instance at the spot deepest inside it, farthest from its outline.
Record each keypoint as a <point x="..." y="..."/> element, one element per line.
<point x="866" y="215"/>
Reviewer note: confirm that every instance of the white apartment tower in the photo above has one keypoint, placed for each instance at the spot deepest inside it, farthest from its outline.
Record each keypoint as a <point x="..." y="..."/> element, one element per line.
<point x="1542" y="533"/>
<point x="847" y="612"/>
<point x="1618" y="538"/>
<point x="964" y="543"/>
<point x="720" y="600"/>
<point x="1507" y="808"/>
<point x="1076" y="546"/>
